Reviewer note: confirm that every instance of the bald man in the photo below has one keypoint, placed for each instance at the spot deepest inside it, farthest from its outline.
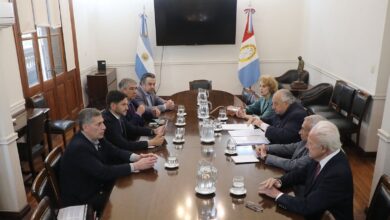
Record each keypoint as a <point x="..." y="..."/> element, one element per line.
<point x="283" y="127"/>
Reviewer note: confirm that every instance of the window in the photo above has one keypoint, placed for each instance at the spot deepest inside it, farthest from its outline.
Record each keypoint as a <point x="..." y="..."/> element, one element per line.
<point x="30" y="61"/>
<point x="43" y="55"/>
<point x="56" y="45"/>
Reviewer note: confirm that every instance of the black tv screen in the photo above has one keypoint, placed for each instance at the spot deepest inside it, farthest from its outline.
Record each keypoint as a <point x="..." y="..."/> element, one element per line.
<point x="195" y="22"/>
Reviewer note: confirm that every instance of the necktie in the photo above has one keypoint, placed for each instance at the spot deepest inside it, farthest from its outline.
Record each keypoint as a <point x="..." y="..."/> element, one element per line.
<point x="149" y="99"/>
<point x="123" y="129"/>
<point x="318" y="169"/>
<point x="131" y="108"/>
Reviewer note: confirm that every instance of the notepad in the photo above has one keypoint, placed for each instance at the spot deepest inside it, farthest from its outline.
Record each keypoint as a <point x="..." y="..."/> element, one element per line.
<point x="247" y="132"/>
<point x="78" y="212"/>
<point x="245" y="159"/>
<point x="251" y="140"/>
<point x="237" y="127"/>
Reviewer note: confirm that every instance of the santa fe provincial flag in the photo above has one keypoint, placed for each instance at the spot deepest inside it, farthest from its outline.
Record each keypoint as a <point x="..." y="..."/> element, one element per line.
<point x="144" y="59"/>
<point x="248" y="64"/>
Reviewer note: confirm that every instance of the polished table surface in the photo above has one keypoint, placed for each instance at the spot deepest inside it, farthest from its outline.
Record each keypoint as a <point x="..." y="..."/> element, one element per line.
<point x="162" y="193"/>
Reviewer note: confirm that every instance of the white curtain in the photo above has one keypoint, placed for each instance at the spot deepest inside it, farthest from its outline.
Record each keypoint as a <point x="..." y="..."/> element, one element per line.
<point x="40" y="13"/>
<point x="54" y="13"/>
<point x="26" y="16"/>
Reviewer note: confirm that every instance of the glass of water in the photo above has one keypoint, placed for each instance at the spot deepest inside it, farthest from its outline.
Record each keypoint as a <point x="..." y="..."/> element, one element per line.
<point x="238" y="184"/>
<point x="231" y="146"/>
<point x="179" y="134"/>
<point x="172" y="159"/>
<point x="180" y="110"/>
<point x="222" y="114"/>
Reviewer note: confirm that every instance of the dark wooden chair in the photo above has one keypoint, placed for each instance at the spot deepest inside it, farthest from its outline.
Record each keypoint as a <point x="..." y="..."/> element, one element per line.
<point x="291" y="76"/>
<point x="52" y="165"/>
<point x="352" y="123"/>
<point x="249" y="96"/>
<point x="344" y="105"/>
<point x="201" y="83"/>
<point x="44" y="211"/>
<point x="31" y="144"/>
<point x="41" y="187"/>
<point x="334" y="101"/>
<point x="380" y="203"/>
<point x="53" y="126"/>
<point x="318" y="95"/>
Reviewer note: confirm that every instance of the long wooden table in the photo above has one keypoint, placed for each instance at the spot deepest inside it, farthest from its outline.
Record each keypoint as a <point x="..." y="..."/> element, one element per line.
<point x="162" y="193"/>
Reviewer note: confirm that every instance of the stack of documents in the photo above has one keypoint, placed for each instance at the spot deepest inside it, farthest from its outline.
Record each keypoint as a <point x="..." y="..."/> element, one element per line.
<point x="245" y="159"/>
<point x="249" y="137"/>
<point x="230" y="127"/>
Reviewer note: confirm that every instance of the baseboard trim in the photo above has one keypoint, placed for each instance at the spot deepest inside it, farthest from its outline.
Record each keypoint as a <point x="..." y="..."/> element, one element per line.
<point x="15" y="215"/>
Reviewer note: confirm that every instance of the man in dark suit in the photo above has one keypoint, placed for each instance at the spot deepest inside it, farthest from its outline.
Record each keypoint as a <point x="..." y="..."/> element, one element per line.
<point x="135" y="112"/>
<point x="90" y="163"/>
<point x="290" y="156"/>
<point x="328" y="179"/>
<point x="120" y="132"/>
<point x="146" y="95"/>
<point x="282" y="127"/>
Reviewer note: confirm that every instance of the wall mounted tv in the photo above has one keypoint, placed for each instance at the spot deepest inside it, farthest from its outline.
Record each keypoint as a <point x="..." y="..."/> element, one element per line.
<point x="195" y="22"/>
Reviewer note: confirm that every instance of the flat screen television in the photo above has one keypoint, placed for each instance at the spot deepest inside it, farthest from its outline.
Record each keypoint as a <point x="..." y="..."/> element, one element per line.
<point x="195" y="22"/>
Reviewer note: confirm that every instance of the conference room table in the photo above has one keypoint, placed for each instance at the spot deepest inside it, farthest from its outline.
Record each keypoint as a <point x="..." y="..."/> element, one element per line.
<point x="162" y="193"/>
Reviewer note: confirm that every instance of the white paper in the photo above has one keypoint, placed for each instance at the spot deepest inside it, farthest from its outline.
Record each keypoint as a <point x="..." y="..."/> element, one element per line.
<point x="237" y="127"/>
<point x="247" y="132"/>
<point x="245" y="159"/>
<point x="250" y="140"/>
<point x="72" y="213"/>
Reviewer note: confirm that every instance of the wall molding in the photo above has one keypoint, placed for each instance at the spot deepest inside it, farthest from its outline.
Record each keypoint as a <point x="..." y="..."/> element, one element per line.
<point x="336" y="77"/>
<point x="17" y="107"/>
<point x="384" y="135"/>
<point x="201" y="62"/>
<point x="9" y="139"/>
<point x="88" y="70"/>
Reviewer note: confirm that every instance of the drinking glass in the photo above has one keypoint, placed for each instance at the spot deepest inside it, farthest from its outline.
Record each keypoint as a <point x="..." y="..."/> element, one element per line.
<point x="238" y="183"/>
<point x="172" y="159"/>
<point x="180" y="120"/>
<point x="222" y="114"/>
<point x="180" y="110"/>
<point x="231" y="145"/>
<point x="179" y="134"/>
<point x="217" y="125"/>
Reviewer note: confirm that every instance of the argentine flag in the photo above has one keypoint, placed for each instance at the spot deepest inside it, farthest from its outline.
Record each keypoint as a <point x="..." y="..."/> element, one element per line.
<point x="248" y="64"/>
<point x="144" y="59"/>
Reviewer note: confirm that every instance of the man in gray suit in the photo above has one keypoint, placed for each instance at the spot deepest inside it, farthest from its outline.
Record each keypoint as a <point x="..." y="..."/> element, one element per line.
<point x="146" y="95"/>
<point x="290" y="156"/>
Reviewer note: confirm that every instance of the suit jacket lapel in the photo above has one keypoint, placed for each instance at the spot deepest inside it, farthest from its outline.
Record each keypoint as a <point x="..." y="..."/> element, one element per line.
<point x="92" y="148"/>
<point x="310" y="185"/>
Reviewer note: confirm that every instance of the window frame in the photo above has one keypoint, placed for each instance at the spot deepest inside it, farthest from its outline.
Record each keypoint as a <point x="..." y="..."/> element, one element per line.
<point x="28" y="90"/>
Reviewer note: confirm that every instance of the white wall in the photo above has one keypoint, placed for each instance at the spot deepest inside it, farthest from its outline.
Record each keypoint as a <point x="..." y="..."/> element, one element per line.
<point x="85" y="17"/>
<point x="9" y="68"/>
<point x="277" y="24"/>
<point x="12" y="194"/>
<point x="344" y="38"/>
